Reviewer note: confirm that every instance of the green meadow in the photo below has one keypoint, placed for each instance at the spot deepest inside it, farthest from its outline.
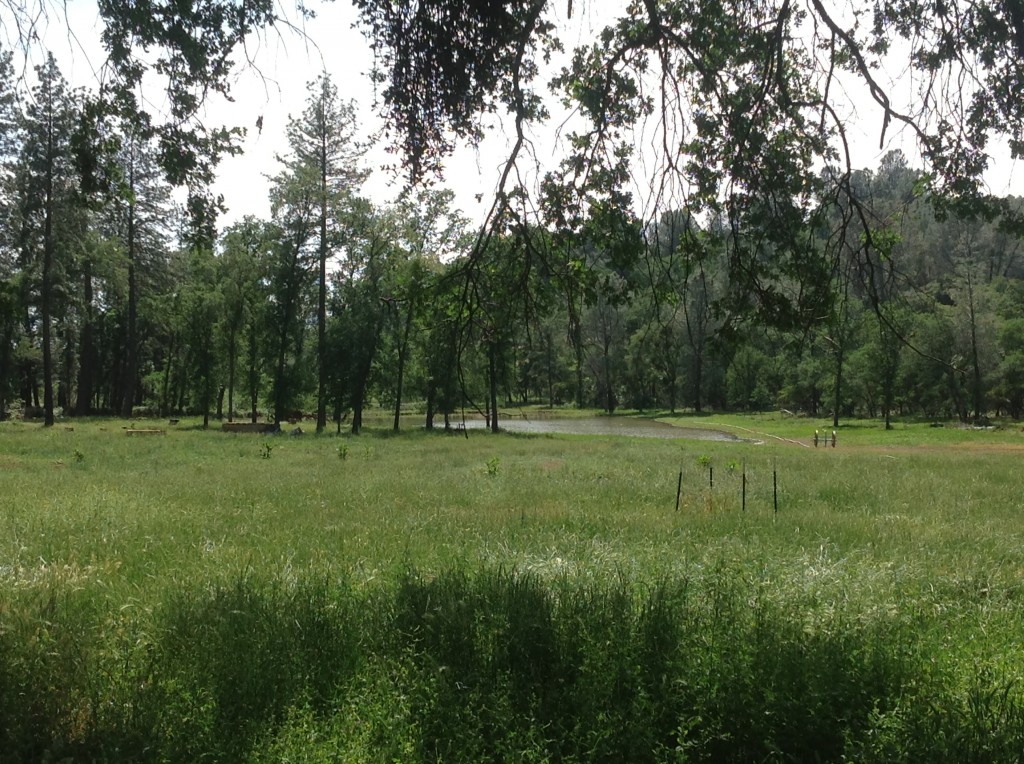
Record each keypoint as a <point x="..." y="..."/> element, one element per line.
<point x="428" y="597"/>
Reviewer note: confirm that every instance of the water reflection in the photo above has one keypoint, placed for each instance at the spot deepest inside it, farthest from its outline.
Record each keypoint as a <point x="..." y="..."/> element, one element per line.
<point x="627" y="426"/>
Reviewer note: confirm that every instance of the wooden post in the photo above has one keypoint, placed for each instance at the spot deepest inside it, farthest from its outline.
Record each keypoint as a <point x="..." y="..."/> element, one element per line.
<point x="679" y="489"/>
<point x="744" y="482"/>
<point x="711" y="477"/>
<point x="775" y="487"/>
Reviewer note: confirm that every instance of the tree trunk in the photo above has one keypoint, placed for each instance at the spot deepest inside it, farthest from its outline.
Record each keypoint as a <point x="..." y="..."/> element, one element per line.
<point x="431" y="396"/>
<point x="698" y="381"/>
<point x="232" y="350"/>
<point x="321" y="309"/>
<point x="357" y="410"/>
<point x="130" y="372"/>
<point x="207" y="394"/>
<point x="606" y="360"/>
<point x="956" y="396"/>
<point x="5" y="363"/>
<point x="66" y="390"/>
<point x="280" y="372"/>
<point x="180" y="383"/>
<point x="492" y="373"/>
<point x="837" y="397"/>
<point x="977" y="389"/>
<point x="165" y="402"/>
<point x="402" y="350"/>
<point x="27" y="383"/>
<point x="549" y="345"/>
<point x="287" y="315"/>
<point x="279" y="377"/>
<point x="87" y="348"/>
<point x="359" y="382"/>
<point x="576" y="335"/>
<point x="254" y="376"/>
<point x="46" y="307"/>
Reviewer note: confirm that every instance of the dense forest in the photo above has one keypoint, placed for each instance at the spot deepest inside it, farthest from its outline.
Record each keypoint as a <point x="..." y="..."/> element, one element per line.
<point x="113" y="300"/>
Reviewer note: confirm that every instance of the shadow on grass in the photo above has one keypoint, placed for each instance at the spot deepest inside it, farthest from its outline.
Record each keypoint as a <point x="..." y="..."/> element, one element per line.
<point x="492" y="666"/>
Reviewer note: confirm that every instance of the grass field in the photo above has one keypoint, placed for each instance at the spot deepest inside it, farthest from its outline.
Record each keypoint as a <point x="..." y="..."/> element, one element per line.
<point x="427" y="597"/>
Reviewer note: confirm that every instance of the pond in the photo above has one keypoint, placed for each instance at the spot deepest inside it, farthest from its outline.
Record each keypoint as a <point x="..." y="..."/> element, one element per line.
<point x="605" y="425"/>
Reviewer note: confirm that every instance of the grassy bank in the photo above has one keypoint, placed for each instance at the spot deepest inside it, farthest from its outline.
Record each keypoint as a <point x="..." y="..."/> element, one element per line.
<point x="426" y="597"/>
<point x="778" y="425"/>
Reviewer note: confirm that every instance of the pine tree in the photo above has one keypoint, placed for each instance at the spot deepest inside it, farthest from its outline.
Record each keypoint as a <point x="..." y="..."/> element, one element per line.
<point x="323" y="141"/>
<point x="49" y="205"/>
<point x="139" y="218"/>
<point x="9" y="291"/>
<point x="293" y="209"/>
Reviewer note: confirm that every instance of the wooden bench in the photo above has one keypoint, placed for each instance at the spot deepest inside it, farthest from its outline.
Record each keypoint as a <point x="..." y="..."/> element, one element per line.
<point x="257" y="427"/>
<point x="146" y="431"/>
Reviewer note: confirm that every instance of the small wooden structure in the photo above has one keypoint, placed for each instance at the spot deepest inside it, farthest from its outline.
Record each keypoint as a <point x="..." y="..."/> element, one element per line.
<point x="257" y="427"/>
<point x="146" y="431"/>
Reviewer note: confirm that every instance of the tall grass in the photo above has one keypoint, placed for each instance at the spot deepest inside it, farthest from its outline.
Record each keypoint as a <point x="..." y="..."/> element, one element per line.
<point x="432" y="598"/>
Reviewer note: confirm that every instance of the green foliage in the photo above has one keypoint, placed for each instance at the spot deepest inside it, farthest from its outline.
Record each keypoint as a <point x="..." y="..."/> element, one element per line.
<point x="889" y="311"/>
<point x="461" y="57"/>
<point x="747" y="380"/>
<point x="324" y="167"/>
<point x="195" y="59"/>
<point x="49" y="217"/>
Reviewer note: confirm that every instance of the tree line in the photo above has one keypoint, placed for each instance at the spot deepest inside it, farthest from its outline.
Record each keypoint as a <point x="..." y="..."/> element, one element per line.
<point x="116" y="300"/>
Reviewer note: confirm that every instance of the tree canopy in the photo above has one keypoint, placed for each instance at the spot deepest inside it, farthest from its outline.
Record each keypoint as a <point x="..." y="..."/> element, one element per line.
<point x="738" y="71"/>
<point x="704" y="218"/>
<point x="735" y="97"/>
<point x="738" y="111"/>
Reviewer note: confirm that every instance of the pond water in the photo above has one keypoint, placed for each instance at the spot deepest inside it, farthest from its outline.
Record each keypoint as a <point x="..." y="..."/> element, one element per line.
<point x="604" y="425"/>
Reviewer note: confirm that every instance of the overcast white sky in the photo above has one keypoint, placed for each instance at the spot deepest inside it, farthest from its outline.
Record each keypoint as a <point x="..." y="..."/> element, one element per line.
<point x="274" y="88"/>
<point x="286" y="61"/>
